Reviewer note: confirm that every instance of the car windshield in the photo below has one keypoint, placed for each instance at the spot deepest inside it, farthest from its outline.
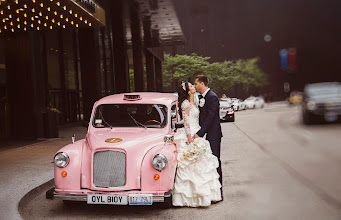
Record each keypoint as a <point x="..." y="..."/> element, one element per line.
<point x="130" y="115"/>
<point x="250" y="99"/>
<point x="224" y="104"/>
<point x="324" y="91"/>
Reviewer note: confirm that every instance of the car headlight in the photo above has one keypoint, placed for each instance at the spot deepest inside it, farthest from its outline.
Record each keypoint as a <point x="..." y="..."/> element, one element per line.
<point x="311" y="105"/>
<point x="159" y="162"/>
<point x="61" y="160"/>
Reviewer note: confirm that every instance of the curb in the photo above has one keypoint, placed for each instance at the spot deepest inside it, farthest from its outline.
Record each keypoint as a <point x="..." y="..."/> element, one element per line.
<point x="33" y="193"/>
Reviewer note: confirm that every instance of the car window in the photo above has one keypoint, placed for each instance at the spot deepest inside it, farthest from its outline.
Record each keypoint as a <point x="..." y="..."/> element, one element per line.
<point x="174" y="116"/>
<point x="130" y="115"/>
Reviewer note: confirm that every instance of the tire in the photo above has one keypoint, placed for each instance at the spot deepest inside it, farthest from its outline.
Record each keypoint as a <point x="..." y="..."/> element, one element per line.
<point x="306" y="118"/>
<point x="168" y="203"/>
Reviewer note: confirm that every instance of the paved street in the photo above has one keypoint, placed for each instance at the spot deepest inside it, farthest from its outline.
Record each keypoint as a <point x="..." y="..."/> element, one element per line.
<point x="274" y="168"/>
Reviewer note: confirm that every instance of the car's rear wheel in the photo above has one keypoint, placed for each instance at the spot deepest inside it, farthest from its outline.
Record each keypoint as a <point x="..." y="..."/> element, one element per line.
<point x="168" y="203"/>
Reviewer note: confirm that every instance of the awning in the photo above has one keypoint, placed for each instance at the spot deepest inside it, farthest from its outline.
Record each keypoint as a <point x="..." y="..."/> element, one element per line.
<point x="25" y="15"/>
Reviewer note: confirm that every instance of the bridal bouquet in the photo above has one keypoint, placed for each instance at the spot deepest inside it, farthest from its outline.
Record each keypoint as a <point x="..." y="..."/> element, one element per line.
<point x="190" y="153"/>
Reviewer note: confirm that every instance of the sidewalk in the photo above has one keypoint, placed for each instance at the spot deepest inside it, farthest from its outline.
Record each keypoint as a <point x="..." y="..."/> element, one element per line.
<point x="26" y="167"/>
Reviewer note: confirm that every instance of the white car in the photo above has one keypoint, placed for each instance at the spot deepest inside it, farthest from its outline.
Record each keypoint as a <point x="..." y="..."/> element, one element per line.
<point x="238" y="104"/>
<point x="254" y="102"/>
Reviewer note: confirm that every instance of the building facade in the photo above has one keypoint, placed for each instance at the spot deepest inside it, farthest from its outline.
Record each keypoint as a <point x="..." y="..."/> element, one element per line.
<point x="63" y="55"/>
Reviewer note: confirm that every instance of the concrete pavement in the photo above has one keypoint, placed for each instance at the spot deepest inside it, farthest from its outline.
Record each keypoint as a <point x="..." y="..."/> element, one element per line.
<point x="23" y="169"/>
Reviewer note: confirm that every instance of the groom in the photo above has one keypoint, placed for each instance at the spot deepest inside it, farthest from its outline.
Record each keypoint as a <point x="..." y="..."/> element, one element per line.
<point x="209" y="119"/>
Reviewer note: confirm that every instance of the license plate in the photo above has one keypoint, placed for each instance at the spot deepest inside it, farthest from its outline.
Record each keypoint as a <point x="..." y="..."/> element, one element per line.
<point x="140" y="199"/>
<point x="110" y="199"/>
<point x="330" y="116"/>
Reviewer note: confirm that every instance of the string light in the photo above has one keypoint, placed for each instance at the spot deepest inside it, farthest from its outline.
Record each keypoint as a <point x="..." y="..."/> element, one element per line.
<point x="25" y="29"/>
<point x="25" y="6"/>
<point x="86" y="21"/>
<point x="18" y="19"/>
<point x="90" y="24"/>
<point x="63" y="25"/>
<point x="76" y="15"/>
<point x="33" y="10"/>
<point x="76" y="25"/>
<point x="34" y="1"/>
<point x="70" y="12"/>
<point x="51" y="27"/>
<point x="8" y="7"/>
<point x="12" y="30"/>
<point x="10" y="16"/>
<point x="40" y="14"/>
<point x="47" y="17"/>
<point x="32" y="18"/>
<point x="11" y="23"/>
<point x="25" y="22"/>
<point x="58" y="23"/>
<point x="67" y="19"/>
<point x="25" y="15"/>
<point x="58" y="3"/>
<point x="81" y="18"/>
<point x="61" y="16"/>
<point x="72" y="22"/>
<point x="5" y="27"/>
<point x="52" y="20"/>
<point x="55" y="13"/>
<point x="41" y="5"/>
<point x="39" y="21"/>
<point x="16" y="1"/>
<point x="32" y="25"/>
<point x="17" y="11"/>
<point x="18" y="26"/>
<point x="45" y="24"/>
<point x="64" y="7"/>
<point x="4" y="20"/>
<point x="2" y="12"/>
<point x="49" y="9"/>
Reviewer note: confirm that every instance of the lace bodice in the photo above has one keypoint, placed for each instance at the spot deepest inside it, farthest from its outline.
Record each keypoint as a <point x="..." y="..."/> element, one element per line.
<point x="191" y="120"/>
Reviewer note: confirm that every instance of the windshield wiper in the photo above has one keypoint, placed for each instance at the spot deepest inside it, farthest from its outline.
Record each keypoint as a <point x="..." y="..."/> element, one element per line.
<point x="100" y="112"/>
<point x="136" y="122"/>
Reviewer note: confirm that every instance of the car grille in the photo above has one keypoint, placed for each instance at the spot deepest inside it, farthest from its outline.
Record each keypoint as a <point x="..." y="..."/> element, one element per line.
<point x="109" y="169"/>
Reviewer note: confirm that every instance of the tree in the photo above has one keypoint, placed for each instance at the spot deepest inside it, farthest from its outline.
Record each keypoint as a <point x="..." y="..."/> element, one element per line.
<point x="222" y="75"/>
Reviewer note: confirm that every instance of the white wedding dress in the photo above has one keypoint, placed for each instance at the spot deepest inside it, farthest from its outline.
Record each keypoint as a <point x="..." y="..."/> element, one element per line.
<point x="197" y="180"/>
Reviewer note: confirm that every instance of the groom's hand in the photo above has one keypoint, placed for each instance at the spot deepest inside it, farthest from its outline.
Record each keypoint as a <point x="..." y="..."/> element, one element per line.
<point x="195" y="136"/>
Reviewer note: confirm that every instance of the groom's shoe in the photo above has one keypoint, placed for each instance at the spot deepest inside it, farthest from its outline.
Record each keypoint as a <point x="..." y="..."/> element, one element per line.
<point x="215" y="202"/>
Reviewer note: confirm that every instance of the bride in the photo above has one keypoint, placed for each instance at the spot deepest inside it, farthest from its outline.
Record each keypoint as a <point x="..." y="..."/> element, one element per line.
<point x="197" y="180"/>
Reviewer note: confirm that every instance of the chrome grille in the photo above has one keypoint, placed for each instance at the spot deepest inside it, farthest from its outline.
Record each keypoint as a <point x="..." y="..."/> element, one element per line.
<point x="109" y="169"/>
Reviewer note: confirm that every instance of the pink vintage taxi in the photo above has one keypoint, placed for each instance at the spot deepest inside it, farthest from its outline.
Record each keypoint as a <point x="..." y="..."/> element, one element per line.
<point x="127" y="157"/>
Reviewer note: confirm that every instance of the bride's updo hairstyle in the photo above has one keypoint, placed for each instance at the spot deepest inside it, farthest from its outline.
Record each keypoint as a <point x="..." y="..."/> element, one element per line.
<point x="183" y="93"/>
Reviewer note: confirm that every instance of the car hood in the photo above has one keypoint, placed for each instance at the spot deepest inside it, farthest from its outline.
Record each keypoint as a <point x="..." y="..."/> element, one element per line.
<point x="123" y="138"/>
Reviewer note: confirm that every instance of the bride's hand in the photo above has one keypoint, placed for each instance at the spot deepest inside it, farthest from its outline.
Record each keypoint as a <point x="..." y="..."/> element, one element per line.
<point x="189" y="137"/>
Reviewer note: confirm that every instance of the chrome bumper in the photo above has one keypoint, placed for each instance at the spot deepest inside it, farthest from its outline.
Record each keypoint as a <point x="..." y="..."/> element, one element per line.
<point x="52" y="194"/>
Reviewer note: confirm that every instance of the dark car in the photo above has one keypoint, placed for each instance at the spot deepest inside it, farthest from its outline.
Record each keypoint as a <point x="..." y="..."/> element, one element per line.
<point x="321" y="101"/>
<point x="226" y="111"/>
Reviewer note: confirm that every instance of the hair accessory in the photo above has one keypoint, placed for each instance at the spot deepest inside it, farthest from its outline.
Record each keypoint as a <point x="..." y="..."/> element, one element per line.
<point x="183" y="84"/>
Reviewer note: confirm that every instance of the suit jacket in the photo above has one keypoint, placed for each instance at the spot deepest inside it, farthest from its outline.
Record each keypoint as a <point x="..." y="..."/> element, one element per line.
<point x="209" y="118"/>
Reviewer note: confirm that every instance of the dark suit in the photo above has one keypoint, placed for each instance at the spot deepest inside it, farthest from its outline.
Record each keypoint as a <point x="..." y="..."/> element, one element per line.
<point x="209" y="120"/>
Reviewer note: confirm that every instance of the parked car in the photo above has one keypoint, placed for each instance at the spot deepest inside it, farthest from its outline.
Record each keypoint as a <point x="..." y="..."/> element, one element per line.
<point x="238" y="104"/>
<point x="254" y="102"/>
<point x="127" y="157"/>
<point x="295" y="98"/>
<point x="226" y="111"/>
<point x="321" y="101"/>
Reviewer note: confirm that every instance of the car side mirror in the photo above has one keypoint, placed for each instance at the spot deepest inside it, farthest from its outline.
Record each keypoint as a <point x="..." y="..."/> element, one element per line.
<point x="179" y="124"/>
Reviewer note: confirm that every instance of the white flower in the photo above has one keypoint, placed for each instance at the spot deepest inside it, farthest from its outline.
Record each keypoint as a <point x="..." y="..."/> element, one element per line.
<point x="202" y="102"/>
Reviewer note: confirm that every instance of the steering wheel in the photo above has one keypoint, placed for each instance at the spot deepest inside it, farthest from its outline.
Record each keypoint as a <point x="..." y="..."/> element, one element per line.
<point x="152" y="121"/>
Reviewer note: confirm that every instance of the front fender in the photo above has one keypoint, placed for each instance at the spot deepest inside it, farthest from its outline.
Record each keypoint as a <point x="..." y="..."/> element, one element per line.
<point x="166" y="180"/>
<point x="72" y="180"/>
